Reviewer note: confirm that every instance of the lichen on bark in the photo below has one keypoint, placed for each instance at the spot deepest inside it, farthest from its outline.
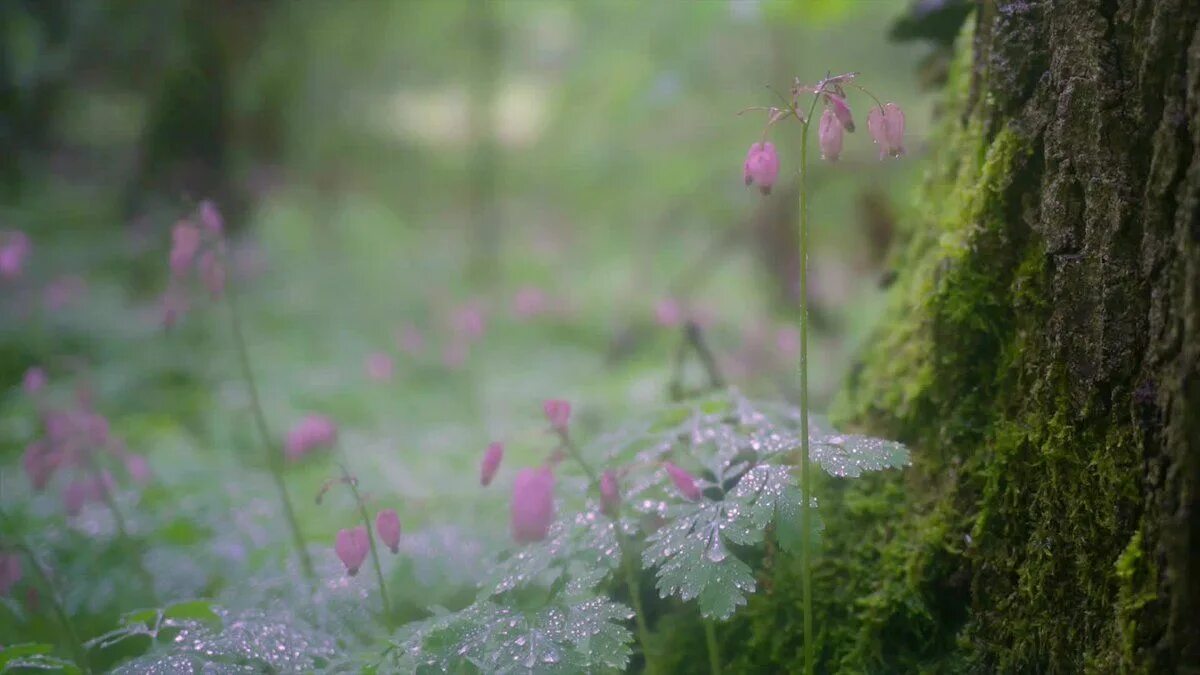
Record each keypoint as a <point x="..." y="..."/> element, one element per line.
<point x="1040" y="354"/>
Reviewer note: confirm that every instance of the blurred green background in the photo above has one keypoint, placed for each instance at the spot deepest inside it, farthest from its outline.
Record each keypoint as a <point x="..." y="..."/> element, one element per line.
<point x="382" y="164"/>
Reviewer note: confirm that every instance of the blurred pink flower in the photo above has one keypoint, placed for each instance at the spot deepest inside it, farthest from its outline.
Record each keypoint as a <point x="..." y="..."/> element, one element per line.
<point x="829" y="133"/>
<point x="387" y="524"/>
<point x="380" y="366"/>
<point x="558" y="413"/>
<point x="311" y="433"/>
<point x="532" y="507"/>
<point x="684" y="481"/>
<point x="185" y="243"/>
<point x="668" y="313"/>
<point x="212" y="273"/>
<point x="14" y="248"/>
<point x="530" y="301"/>
<point x="352" y="546"/>
<point x="137" y="467"/>
<point x="210" y="217"/>
<point x="10" y="571"/>
<point x="761" y="166"/>
<point x="610" y="493"/>
<point x="468" y="321"/>
<point x="34" y="381"/>
<point x="39" y="462"/>
<point x="886" y="126"/>
<point x="491" y="463"/>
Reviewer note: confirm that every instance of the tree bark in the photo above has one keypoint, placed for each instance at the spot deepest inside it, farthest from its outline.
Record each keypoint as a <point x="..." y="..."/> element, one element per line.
<point x="1042" y="357"/>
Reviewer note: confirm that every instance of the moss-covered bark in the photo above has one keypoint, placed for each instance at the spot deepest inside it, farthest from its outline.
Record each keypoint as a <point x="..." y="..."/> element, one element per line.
<point x="1042" y="357"/>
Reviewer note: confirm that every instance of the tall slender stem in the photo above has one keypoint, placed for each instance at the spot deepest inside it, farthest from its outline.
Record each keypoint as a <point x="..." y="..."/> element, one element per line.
<point x="627" y="560"/>
<point x="714" y="651"/>
<point x="362" y="511"/>
<point x="805" y="469"/>
<point x="274" y="458"/>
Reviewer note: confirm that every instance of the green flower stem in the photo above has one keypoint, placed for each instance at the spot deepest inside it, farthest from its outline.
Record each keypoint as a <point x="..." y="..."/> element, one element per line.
<point x="805" y="469"/>
<point x="362" y="511"/>
<point x="714" y="652"/>
<point x="628" y="561"/>
<point x="274" y="456"/>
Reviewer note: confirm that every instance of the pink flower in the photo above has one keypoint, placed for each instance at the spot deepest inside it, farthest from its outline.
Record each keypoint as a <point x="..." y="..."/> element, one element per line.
<point x="610" y="494"/>
<point x="210" y="217"/>
<point x="491" y="462"/>
<point x="380" y="367"/>
<point x="14" y="248"/>
<point x="684" y="481"/>
<point x="829" y="133"/>
<point x="841" y="110"/>
<point x="762" y="166"/>
<point x="352" y="547"/>
<point x="410" y="340"/>
<point x="212" y="273"/>
<point x="137" y="467"/>
<point x="530" y="301"/>
<point x="387" y="524"/>
<point x="185" y="243"/>
<point x="311" y="433"/>
<point x="10" y="571"/>
<point x="558" y="413"/>
<point x="34" y="380"/>
<point x="668" y="313"/>
<point x="532" y="507"/>
<point x="468" y="321"/>
<point x="887" y="129"/>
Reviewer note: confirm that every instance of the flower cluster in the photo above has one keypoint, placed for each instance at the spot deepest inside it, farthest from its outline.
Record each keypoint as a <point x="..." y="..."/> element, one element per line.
<point x="197" y="243"/>
<point x="885" y="123"/>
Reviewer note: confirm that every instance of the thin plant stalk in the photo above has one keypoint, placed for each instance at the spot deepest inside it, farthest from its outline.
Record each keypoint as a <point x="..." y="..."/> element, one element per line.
<point x="805" y="468"/>
<point x="714" y="651"/>
<point x="362" y="511"/>
<point x="274" y="457"/>
<point x="627" y="561"/>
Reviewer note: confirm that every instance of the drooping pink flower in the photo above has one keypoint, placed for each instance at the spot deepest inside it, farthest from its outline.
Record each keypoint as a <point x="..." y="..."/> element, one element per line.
<point x="841" y="110"/>
<point x="14" y="249"/>
<point x="387" y="524"/>
<point x="761" y="166"/>
<point x="532" y="508"/>
<point x="10" y="571"/>
<point x="212" y="273"/>
<point x="829" y="133"/>
<point x="668" y="313"/>
<point x="684" y="481"/>
<point x="380" y="366"/>
<point x="887" y="129"/>
<point x="491" y="463"/>
<point x="558" y="413"/>
<point x="34" y="380"/>
<point x="211" y="218"/>
<point x="530" y="301"/>
<point x="610" y="493"/>
<point x="410" y="340"/>
<point x="352" y="546"/>
<point x="185" y="243"/>
<point x="311" y="433"/>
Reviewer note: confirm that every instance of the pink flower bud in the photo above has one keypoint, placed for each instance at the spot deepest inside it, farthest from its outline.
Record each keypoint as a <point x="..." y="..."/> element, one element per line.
<point x="387" y="524"/>
<point x="887" y="129"/>
<point x="530" y="301"/>
<point x="352" y="547"/>
<point x="14" y="248"/>
<point x="558" y="413"/>
<point x="10" y="571"/>
<point x="491" y="462"/>
<point x="762" y="166"/>
<point x="841" y="110"/>
<point x="212" y="273"/>
<point x="185" y="242"/>
<point x="829" y="133"/>
<point x="532" y="507"/>
<point x="610" y="494"/>
<point x="210" y="217"/>
<point x="668" y="313"/>
<point x="380" y="367"/>
<point x="34" y="380"/>
<point x="311" y="433"/>
<point x="683" y="481"/>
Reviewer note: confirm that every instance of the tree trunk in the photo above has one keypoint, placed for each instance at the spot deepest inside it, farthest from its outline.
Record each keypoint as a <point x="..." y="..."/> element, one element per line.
<point x="1042" y="357"/>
